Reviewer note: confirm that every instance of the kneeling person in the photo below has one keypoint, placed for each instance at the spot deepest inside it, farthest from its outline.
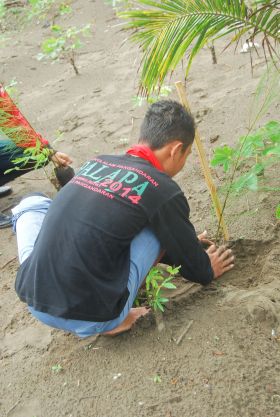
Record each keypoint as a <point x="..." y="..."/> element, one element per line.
<point x="84" y="255"/>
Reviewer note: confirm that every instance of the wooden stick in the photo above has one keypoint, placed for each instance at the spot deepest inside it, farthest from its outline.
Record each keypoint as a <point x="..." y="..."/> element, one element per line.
<point x="204" y="164"/>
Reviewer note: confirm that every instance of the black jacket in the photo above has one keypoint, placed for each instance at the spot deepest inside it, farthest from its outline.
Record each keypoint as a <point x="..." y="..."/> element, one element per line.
<point x="80" y="263"/>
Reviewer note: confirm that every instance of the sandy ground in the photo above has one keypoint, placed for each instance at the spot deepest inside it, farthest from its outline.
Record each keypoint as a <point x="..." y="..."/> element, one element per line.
<point x="227" y="364"/>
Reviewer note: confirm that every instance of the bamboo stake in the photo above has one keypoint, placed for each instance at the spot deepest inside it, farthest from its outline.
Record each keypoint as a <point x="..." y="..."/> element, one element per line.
<point x="204" y="164"/>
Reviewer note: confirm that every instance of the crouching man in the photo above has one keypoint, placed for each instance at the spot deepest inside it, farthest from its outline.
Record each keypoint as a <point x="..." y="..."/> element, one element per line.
<point x="84" y="255"/>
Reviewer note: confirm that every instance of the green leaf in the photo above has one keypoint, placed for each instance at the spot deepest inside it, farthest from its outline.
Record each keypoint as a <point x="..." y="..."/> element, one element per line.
<point x="173" y="270"/>
<point x="272" y="150"/>
<point x="277" y="213"/>
<point x="247" y="181"/>
<point x="86" y="30"/>
<point x="258" y="168"/>
<point x="159" y="306"/>
<point x="56" y="28"/>
<point x="65" y="9"/>
<point x="57" y="368"/>
<point x="77" y="44"/>
<point x="157" y="379"/>
<point x="163" y="300"/>
<point x="223" y="156"/>
<point x="169" y="285"/>
<point x="50" y="45"/>
<point x="271" y="131"/>
<point x="250" y="144"/>
<point x="34" y="2"/>
<point x="11" y="169"/>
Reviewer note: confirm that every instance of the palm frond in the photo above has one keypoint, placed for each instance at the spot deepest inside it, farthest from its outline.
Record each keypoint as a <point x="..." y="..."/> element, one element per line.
<point x="167" y="28"/>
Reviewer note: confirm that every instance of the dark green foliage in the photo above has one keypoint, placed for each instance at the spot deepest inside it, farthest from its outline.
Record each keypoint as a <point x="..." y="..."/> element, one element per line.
<point x="254" y="152"/>
<point x="155" y="283"/>
<point x="251" y="157"/>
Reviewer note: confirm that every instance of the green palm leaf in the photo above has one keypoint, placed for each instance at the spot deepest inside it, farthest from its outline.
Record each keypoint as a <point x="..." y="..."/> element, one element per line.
<point x="167" y="28"/>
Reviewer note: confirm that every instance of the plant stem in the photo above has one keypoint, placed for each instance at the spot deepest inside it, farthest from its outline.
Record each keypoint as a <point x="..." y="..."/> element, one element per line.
<point x="213" y="53"/>
<point x="236" y="164"/>
<point x="72" y="62"/>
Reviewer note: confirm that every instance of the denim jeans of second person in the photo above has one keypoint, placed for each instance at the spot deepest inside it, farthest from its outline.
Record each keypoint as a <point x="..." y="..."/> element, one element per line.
<point x="28" y="217"/>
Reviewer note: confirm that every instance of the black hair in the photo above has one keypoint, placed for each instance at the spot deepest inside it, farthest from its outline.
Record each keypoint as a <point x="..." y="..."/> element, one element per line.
<point x="165" y="121"/>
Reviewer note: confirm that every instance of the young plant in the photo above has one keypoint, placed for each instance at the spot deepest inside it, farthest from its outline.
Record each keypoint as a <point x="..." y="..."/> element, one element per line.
<point x="57" y="368"/>
<point x="156" y="282"/>
<point x="157" y="379"/>
<point x="64" y="44"/>
<point x="36" y="156"/>
<point x="251" y="157"/>
<point x="48" y="9"/>
<point x="267" y="93"/>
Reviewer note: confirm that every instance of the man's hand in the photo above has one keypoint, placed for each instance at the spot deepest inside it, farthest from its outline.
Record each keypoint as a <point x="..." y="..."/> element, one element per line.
<point x="61" y="158"/>
<point x="221" y="259"/>
<point x="204" y="240"/>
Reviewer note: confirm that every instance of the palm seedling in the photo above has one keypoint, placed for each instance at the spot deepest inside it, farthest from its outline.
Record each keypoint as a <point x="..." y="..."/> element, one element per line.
<point x="168" y="29"/>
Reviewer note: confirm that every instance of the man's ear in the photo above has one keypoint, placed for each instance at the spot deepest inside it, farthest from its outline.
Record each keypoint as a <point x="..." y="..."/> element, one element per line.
<point x="177" y="146"/>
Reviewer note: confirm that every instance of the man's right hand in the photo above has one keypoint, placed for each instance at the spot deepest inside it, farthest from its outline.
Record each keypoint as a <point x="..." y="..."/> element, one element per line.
<point x="221" y="259"/>
<point x="62" y="159"/>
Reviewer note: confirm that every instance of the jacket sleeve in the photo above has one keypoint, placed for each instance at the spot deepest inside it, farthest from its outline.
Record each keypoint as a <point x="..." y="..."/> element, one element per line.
<point x="178" y="238"/>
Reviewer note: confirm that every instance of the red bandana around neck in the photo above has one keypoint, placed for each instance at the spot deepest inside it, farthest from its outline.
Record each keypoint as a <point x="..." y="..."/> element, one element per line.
<point x="144" y="152"/>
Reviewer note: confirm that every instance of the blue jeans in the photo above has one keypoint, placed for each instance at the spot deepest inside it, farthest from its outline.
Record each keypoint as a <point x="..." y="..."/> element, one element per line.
<point x="28" y="217"/>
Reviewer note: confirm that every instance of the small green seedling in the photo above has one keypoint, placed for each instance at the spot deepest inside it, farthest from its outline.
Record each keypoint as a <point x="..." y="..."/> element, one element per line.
<point x="138" y="101"/>
<point x="64" y="44"/>
<point x="252" y="156"/>
<point x="57" y="368"/>
<point x="157" y="379"/>
<point x="48" y="10"/>
<point x="156" y="282"/>
<point x="38" y="156"/>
